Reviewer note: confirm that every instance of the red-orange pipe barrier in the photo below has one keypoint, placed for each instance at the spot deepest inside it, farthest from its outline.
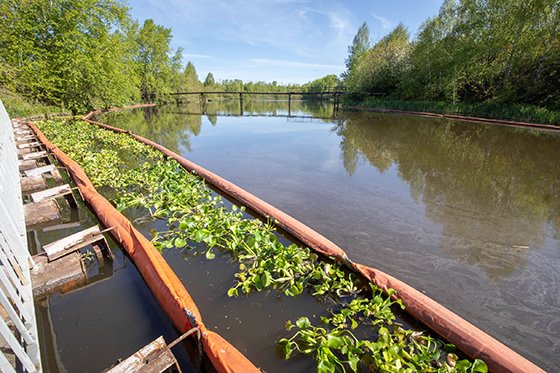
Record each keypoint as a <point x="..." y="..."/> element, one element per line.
<point x="467" y="337"/>
<point x="162" y="281"/>
<point x="463" y="118"/>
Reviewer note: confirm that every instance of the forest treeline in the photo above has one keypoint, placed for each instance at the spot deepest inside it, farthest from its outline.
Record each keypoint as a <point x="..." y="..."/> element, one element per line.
<point x="473" y="51"/>
<point x="82" y="54"/>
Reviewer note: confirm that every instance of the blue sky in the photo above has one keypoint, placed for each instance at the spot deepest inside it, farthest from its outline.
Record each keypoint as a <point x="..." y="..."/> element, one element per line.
<point x="289" y="41"/>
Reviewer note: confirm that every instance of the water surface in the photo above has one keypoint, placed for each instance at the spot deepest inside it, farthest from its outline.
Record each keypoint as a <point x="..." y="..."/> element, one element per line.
<point x="467" y="213"/>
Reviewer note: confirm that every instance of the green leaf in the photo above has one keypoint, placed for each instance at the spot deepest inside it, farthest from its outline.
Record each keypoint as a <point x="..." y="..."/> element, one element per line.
<point x="285" y="348"/>
<point x="353" y="361"/>
<point x="479" y="366"/>
<point x="325" y="366"/>
<point x="180" y="242"/>
<point x="449" y="347"/>
<point x="210" y="254"/>
<point x="334" y="341"/>
<point x="303" y="323"/>
<point x="463" y="365"/>
<point x="232" y="292"/>
<point x="266" y="279"/>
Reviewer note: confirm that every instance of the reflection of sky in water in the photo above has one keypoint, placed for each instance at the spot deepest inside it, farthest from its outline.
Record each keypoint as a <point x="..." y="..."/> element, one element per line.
<point x="466" y="213"/>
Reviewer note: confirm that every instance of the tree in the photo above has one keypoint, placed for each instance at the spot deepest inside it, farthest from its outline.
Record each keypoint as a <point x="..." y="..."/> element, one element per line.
<point x="153" y="61"/>
<point x="381" y="68"/>
<point x="324" y="84"/>
<point x="190" y="79"/>
<point x="209" y="81"/>
<point x="359" y="46"/>
<point x="176" y="65"/>
<point x="63" y="52"/>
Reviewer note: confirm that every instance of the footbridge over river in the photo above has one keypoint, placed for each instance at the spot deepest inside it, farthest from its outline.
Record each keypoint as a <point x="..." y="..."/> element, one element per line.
<point x="334" y="95"/>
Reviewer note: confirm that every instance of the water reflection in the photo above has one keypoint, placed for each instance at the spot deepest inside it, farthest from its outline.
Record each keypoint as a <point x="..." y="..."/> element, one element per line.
<point x="172" y="125"/>
<point x="465" y="212"/>
<point x="506" y="178"/>
<point x="492" y="189"/>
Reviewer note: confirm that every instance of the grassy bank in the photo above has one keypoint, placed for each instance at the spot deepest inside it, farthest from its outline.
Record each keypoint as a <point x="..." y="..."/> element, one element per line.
<point x="493" y="110"/>
<point x="18" y="106"/>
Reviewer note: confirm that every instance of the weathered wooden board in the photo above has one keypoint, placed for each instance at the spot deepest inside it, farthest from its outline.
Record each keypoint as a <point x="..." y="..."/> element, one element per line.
<point x="32" y="184"/>
<point x="74" y="242"/>
<point x="57" y="227"/>
<point x="154" y="357"/>
<point x="28" y="145"/>
<point x="66" y="273"/>
<point x="58" y="191"/>
<point x="40" y="170"/>
<point x="41" y="212"/>
<point x="26" y="165"/>
<point x="22" y="152"/>
<point x="35" y="155"/>
<point x="22" y="138"/>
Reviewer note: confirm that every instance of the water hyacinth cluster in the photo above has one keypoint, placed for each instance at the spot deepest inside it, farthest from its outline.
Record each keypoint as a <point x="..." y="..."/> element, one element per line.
<point x="133" y="175"/>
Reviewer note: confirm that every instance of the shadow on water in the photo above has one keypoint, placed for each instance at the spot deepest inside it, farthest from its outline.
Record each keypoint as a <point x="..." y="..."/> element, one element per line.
<point x="467" y="213"/>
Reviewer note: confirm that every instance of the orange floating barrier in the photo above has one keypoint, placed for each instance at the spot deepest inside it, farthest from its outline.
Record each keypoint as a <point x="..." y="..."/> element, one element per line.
<point x="468" y="338"/>
<point x="162" y="281"/>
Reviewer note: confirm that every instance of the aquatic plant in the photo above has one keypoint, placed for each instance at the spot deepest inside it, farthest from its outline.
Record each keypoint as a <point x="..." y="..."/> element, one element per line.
<point x="134" y="175"/>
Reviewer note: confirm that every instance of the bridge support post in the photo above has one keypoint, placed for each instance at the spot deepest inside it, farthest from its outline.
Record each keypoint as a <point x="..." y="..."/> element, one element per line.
<point x="289" y="104"/>
<point x="240" y="103"/>
<point x="203" y="102"/>
<point x="336" y="104"/>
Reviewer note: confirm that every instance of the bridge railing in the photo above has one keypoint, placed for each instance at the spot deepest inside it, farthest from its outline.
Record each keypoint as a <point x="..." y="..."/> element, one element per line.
<point x="19" y="340"/>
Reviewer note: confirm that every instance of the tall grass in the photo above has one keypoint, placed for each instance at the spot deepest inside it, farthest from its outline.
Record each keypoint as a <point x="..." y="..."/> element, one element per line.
<point x="493" y="110"/>
<point x="18" y="106"/>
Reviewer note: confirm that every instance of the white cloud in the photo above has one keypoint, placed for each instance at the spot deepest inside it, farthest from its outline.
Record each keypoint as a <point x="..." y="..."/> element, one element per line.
<point x="226" y="33"/>
<point x="385" y="23"/>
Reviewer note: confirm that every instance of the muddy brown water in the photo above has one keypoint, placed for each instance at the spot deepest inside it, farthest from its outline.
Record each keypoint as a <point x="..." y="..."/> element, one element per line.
<point x="467" y="213"/>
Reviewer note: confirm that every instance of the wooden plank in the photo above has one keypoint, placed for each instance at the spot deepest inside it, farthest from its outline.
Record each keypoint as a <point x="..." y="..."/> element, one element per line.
<point x="25" y="137"/>
<point x="26" y="165"/>
<point x="42" y="212"/>
<point x="73" y="242"/>
<point x="24" y="133"/>
<point x="154" y="357"/>
<point x="32" y="184"/>
<point x="40" y="170"/>
<point x="62" y="226"/>
<point x="36" y="155"/>
<point x="25" y="151"/>
<point x="58" y="191"/>
<point x="35" y="144"/>
<point x="66" y="273"/>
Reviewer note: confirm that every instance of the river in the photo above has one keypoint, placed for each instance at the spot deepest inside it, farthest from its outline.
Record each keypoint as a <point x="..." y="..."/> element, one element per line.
<point x="467" y="213"/>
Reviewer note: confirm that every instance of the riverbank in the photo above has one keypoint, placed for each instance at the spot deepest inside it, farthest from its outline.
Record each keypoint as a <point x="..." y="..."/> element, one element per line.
<point x="18" y="106"/>
<point x="491" y="110"/>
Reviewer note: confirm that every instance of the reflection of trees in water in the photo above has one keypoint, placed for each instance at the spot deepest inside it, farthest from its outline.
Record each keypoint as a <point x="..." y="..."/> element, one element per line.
<point x="159" y="124"/>
<point x="172" y="125"/>
<point x="254" y="106"/>
<point x="494" y="190"/>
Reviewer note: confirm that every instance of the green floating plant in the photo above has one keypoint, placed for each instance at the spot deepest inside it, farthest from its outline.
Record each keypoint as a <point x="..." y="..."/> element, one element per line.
<point x="134" y="175"/>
